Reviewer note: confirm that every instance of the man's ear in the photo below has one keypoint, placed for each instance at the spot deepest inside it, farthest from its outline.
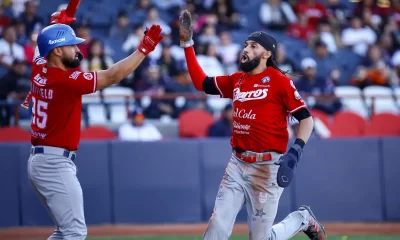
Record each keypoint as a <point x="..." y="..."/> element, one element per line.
<point x="57" y="51"/>
<point x="267" y="54"/>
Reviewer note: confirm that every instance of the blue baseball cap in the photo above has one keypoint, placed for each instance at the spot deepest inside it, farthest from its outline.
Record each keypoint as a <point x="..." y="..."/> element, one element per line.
<point x="56" y="35"/>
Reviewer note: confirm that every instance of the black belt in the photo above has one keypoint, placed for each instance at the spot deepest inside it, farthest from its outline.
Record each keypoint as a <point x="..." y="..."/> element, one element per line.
<point x="64" y="153"/>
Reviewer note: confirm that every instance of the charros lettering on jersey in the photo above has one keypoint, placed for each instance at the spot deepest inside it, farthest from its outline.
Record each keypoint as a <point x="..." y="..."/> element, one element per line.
<point x="242" y="113"/>
<point x="250" y="95"/>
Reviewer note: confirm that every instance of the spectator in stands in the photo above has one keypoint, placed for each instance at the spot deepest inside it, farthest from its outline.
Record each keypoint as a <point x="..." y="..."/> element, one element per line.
<point x="168" y="64"/>
<point x="300" y="29"/>
<point x="31" y="20"/>
<point x="276" y="15"/>
<point x="284" y="63"/>
<point x="4" y="20"/>
<point x="153" y="84"/>
<point x="395" y="74"/>
<point x="337" y="12"/>
<point x="143" y="5"/>
<point x="392" y="28"/>
<point x="133" y="40"/>
<point x="372" y="21"/>
<point x="396" y="11"/>
<point x="13" y="86"/>
<point x="223" y="126"/>
<point x="120" y="29"/>
<point x="373" y="71"/>
<point x="328" y="65"/>
<point x="154" y="18"/>
<point x="208" y="35"/>
<point x="228" y="52"/>
<point x="210" y="62"/>
<point x="181" y="83"/>
<point x="168" y="5"/>
<point x="310" y="83"/>
<point x="228" y="18"/>
<point x="137" y="129"/>
<point x="326" y="35"/>
<point x="152" y="81"/>
<point x="357" y="36"/>
<point x="313" y="11"/>
<point x="378" y="11"/>
<point x="96" y="58"/>
<point x="83" y="31"/>
<point x="22" y="38"/>
<point x="9" y="49"/>
<point x="29" y="48"/>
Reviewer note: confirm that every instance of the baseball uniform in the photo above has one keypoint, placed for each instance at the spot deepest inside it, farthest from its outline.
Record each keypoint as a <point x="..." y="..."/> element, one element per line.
<point x="261" y="105"/>
<point x="55" y="130"/>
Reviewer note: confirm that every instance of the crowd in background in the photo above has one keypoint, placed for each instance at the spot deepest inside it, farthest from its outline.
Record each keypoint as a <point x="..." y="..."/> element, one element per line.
<point x="369" y="28"/>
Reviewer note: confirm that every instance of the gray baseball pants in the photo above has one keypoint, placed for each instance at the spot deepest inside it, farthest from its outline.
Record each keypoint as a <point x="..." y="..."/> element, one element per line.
<point x="53" y="177"/>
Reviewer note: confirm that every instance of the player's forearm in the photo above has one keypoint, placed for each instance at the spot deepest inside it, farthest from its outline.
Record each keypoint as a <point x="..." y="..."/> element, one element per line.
<point x="119" y="70"/>
<point x="195" y="71"/>
<point x="305" y="129"/>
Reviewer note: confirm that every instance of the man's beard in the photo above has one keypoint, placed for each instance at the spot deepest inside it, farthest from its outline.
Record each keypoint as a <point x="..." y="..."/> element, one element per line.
<point x="72" y="63"/>
<point x="249" y="66"/>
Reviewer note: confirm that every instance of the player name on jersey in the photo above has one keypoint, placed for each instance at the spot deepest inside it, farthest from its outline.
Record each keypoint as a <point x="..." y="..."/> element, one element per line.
<point x="43" y="92"/>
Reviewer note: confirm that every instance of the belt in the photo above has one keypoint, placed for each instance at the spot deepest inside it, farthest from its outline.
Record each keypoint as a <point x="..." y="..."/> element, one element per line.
<point x="55" y="151"/>
<point x="251" y="157"/>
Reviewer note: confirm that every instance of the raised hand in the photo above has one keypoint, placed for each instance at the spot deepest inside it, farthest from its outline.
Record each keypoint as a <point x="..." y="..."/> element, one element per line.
<point x="61" y="17"/>
<point x="150" y="40"/>
<point x="185" y="29"/>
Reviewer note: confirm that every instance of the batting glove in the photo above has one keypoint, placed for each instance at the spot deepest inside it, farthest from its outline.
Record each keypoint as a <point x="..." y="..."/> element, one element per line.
<point x="288" y="163"/>
<point x="150" y="40"/>
<point x="61" y="17"/>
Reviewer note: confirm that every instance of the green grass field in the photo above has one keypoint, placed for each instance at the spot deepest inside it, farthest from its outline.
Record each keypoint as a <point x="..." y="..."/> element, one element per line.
<point x="245" y="238"/>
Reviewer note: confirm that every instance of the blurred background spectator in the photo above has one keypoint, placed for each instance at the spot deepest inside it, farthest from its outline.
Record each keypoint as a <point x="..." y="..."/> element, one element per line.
<point x="310" y="83"/>
<point x="223" y="126"/>
<point x="137" y="129"/>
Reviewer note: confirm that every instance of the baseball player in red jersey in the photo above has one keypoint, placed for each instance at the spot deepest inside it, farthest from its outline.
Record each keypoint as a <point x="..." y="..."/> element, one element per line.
<point x="56" y="91"/>
<point x="260" y="168"/>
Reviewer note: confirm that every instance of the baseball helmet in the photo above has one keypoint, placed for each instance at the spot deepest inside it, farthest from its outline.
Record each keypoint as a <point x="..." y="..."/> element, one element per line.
<point x="56" y="35"/>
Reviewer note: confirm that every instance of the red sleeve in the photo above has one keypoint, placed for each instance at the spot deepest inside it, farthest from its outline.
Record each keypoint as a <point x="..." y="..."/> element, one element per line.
<point x="81" y="83"/>
<point x="291" y="97"/>
<point x="225" y="84"/>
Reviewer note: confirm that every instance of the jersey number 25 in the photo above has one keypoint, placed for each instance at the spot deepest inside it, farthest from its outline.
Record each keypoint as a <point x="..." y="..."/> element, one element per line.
<point x="39" y="116"/>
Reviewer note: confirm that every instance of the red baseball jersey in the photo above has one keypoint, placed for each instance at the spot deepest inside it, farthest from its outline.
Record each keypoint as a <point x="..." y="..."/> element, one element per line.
<point x="57" y="104"/>
<point x="261" y="106"/>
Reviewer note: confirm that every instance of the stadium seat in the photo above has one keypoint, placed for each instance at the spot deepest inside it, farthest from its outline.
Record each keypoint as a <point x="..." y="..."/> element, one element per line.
<point x="351" y="98"/>
<point x="97" y="133"/>
<point x="14" y="134"/>
<point x="95" y="109"/>
<point x="347" y="124"/>
<point x="116" y="98"/>
<point x="383" y="101"/>
<point x="321" y="116"/>
<point x="383" y="124"/>
<point x="194" y="123"/>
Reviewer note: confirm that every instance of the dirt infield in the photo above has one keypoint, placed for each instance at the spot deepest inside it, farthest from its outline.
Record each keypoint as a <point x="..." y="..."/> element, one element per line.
<point x="194" y="229"/>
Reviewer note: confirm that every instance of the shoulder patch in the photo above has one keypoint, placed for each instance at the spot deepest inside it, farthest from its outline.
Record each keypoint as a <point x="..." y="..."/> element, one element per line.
<point x="88" y="76"/>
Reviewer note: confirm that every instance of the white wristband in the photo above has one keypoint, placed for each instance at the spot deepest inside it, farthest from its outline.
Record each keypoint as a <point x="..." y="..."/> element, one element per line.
<point x="187" y="44"/>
